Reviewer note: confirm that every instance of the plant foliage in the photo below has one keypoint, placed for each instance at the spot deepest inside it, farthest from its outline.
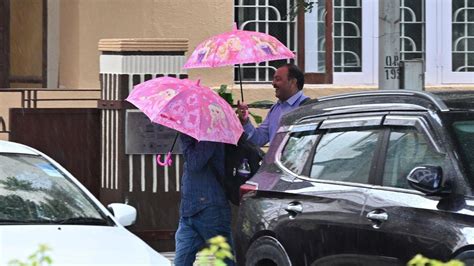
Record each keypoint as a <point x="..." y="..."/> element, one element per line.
<point x="217" y="248"/>
<point x="419" y="260"/>
<point x="38" y="258"/>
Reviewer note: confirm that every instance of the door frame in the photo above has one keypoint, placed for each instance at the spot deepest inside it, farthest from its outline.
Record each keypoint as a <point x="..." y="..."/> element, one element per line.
<point x="316" y="78"/>
<point x="4" y="43"/>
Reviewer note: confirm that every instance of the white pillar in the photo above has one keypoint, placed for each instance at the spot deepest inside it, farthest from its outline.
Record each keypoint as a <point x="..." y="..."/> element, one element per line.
<point x="389" y="44"/>
<point x="53" y="43"/>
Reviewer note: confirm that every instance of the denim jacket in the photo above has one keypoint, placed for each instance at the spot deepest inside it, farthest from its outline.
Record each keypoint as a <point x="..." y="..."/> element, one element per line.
<point x="199" y="185"/>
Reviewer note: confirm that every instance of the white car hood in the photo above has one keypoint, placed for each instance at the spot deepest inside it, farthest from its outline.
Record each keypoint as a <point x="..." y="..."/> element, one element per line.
<point x="77" y="245"/>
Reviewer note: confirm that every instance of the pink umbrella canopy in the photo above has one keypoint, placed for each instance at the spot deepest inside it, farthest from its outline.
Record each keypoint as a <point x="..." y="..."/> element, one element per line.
<point x="188" y="107"/>
<point x="237" y="47"/>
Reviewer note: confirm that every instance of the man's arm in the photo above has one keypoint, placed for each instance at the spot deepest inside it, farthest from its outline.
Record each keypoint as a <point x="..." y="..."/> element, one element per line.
<point x="196" y="154"/>
<point x="260" y="135"/>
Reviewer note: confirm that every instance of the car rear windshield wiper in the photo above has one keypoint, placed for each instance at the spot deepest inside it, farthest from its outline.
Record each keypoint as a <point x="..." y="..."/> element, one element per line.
<point x="82" y="221"/>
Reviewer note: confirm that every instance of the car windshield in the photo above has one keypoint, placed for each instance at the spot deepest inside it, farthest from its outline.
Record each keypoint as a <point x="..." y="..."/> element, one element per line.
<point x="32" y="190"/>
<point x="464" y="133"/>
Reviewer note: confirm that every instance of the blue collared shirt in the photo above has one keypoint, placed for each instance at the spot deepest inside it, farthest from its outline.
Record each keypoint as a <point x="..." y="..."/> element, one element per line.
<point x="267" y="130"/>
<point x="199" y="185"/>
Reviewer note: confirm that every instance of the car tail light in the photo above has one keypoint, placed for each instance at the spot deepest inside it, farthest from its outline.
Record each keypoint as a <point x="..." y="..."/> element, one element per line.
<point x="247" y="188"/>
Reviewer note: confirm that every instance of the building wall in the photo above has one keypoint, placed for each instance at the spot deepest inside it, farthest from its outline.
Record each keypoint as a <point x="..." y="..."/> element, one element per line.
<point x="85" y="22"/>
<point x="26" y="37"/>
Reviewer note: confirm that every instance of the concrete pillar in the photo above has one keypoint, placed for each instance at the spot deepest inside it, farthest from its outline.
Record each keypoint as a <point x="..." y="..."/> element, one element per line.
<point x="130" y="142"/>
<point x="389" y="44"/>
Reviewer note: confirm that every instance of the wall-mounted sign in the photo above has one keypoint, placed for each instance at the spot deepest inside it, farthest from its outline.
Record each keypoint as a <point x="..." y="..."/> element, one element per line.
<point x="144" y="137"/>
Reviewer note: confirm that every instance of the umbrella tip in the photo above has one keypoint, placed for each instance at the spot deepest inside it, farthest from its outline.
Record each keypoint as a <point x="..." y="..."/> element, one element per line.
<point x="234" y="26"/>
<point x="198" y="81"/>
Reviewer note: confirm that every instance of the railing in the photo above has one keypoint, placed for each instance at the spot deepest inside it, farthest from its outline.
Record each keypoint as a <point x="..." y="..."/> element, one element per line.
<point x="3" y="128"/>
<point x="30" y="98"/>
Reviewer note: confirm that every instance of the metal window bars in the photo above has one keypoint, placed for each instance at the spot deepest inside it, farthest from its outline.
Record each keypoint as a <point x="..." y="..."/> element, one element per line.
<point x="271" y="17"/>
<point x="412" y="43"/>
<point x="463" y="36"/>
<point x="347" y="36"/>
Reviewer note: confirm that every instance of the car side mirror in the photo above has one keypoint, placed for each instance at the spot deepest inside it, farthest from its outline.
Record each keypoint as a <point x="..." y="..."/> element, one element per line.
<point x="125" y="214"/>
<point x="426" y="178"/>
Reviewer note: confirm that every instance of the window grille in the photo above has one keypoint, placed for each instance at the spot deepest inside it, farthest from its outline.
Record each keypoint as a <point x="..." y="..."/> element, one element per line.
<point x="347" y="36"/>
<point x="463" y="35"/>
<point x="412" y="29"/>
<point x="271" y="17"/>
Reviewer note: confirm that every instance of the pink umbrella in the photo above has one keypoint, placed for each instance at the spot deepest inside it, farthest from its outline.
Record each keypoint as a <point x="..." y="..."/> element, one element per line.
<point x="237" y="47"/>
<point x="187" y="107"/>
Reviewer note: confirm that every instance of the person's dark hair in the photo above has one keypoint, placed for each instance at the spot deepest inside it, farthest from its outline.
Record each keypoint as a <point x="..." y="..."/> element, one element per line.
<point x="295" y="73"/>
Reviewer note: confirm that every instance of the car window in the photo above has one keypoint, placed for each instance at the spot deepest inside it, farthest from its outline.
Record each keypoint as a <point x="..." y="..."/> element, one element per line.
<point x="345" y="155"/>
<point x="464" y="133"/>
<point x="34" y="190"/>
<point x="297" y="150"/>
<point x="407" y="148"/>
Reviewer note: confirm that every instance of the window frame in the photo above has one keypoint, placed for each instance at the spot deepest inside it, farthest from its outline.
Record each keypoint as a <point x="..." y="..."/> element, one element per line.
<point x="316" y="78"/>
<point x="320" y="126"/>
<point x="378" y="121"/>
<point x="447" y="75"/>
<point x="416" y="121"/>
<point x="323" y="131"/>
<point x="383" y="163"/>
<point x="370" y="28"/>
<point x="312" y="132"/>
<point x="313" y="126"/>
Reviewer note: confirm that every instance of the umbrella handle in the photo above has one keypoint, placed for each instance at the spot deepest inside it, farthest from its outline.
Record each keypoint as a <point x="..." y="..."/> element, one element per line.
<point x="167" y="160"/>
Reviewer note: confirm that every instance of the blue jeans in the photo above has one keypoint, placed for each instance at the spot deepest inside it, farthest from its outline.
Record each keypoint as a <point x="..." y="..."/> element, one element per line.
<point x="194" y="231"/>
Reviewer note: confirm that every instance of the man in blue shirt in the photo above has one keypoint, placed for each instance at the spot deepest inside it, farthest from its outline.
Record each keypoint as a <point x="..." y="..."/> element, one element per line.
<point x="204" y="209"/>
<point x="288" y="82"/>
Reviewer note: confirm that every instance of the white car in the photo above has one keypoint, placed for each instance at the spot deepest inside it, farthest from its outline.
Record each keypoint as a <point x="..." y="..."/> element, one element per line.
<point x="42" y="203"/>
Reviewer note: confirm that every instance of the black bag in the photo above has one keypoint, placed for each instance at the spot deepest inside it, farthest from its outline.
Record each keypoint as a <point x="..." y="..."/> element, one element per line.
<point x="234" y="157"/>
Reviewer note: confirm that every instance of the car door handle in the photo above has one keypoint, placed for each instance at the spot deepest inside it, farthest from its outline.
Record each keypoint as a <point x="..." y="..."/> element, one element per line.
<point x="294" y="207"/>
<point x="377" y="215"/>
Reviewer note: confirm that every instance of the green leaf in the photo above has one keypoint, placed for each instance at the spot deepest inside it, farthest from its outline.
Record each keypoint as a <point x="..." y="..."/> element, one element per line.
<point x="227" y="254"/>
<point x="306" y="5"/>
<point x="224" y="245"/>
<point x="222" y="89"/>
<point x="214" y="249"/>
<point x="261" y="103"/>
<point x="420" y="260"/>
<point x="217" y="240"/>
<point x="258" y="119"/>
<point x="48" y="260"/>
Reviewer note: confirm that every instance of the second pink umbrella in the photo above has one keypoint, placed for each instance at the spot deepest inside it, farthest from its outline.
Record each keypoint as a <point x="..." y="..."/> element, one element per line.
<point x="237" y="47"/>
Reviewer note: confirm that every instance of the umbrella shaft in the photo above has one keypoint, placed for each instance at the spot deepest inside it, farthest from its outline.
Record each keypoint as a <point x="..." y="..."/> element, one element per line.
<point x="241" y="90"/>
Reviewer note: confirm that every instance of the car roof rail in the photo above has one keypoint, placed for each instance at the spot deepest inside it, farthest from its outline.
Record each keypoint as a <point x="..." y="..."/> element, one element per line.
<point x="424" y="95"/>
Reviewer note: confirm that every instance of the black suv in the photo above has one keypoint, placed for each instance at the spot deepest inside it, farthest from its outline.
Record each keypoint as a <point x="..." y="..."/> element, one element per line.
<point x="369" y="178"/>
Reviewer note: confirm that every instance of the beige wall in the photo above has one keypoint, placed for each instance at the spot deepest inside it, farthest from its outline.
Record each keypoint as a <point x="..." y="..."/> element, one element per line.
<point x="85" y="22"/>
<point x="26" y="35"/>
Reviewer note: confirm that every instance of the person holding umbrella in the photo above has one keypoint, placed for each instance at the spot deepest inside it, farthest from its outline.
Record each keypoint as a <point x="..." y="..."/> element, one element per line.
<point x="204" y="211"/>
<point x="288" y="82"/>
<point x="205" y="122"/>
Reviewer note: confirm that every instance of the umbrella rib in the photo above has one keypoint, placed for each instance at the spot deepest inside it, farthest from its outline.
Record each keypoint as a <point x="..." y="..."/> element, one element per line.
<point x="214" y="54"/>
